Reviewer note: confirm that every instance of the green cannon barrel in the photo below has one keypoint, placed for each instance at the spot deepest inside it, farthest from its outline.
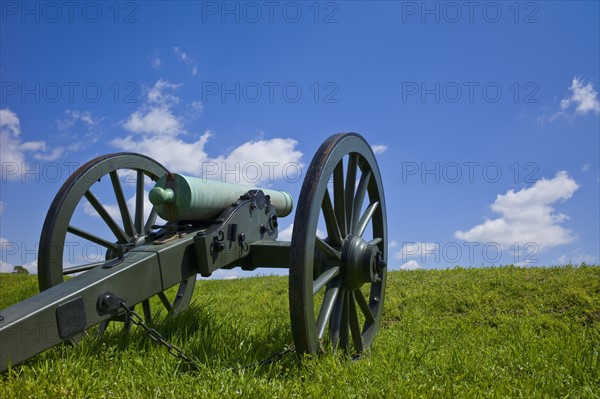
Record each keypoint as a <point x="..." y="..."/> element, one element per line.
<point x="178" y="197"/>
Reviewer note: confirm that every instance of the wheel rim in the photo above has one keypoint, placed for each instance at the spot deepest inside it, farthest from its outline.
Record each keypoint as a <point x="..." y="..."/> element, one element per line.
<point x="337" y="280"/>
<point x="130" y="232"/>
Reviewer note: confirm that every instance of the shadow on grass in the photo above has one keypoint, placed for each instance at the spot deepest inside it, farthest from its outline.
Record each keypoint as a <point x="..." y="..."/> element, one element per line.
<point x="212" y="339"/>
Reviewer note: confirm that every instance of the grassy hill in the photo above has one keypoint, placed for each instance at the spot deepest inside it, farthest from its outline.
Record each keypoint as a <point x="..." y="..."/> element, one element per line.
<point x="493" y="332"/>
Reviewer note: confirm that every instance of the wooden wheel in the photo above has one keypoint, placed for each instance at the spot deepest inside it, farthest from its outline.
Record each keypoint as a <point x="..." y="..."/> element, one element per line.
<point x="337" y="276"/>
<point x="112" y="236"/>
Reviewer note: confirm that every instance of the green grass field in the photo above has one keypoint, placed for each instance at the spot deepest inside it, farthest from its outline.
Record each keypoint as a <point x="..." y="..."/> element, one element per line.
<point x="482" y="333"/>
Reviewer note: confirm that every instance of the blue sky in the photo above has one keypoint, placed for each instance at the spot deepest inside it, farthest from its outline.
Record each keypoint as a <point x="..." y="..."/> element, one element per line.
<point x="485" y="116"/>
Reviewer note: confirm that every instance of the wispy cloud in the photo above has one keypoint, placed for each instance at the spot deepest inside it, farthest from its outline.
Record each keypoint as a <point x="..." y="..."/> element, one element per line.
<point x="583" y="97"/>
<point x="582" y="100"/>
<point x="576" y="257"/>
<point x="190" y="63"/>
<point x="527" y="216"/>
<point x="75" y="116"/>
<point x="379" y="148"/>
<point x="156" y="116"/>
<point x="585" y="167"/>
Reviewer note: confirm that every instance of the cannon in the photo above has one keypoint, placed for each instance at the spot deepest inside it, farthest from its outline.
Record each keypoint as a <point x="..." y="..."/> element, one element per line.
<point x="336" y="257"/>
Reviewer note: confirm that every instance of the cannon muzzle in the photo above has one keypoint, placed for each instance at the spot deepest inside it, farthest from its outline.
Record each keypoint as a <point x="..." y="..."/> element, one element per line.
<point x="177" y="197"/>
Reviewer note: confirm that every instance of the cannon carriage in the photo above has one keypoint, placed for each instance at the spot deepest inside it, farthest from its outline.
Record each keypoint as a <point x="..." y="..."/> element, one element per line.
<point x="336" y="257"/>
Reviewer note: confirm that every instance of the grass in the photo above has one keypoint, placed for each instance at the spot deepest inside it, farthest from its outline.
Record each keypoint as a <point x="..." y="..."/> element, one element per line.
<point x="477" y="333"/>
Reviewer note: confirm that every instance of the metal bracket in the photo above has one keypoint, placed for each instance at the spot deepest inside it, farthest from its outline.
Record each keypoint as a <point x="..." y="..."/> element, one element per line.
<point x="108" y="303"/>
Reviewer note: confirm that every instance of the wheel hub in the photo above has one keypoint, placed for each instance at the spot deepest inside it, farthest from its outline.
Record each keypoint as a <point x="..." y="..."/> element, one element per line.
<point x="360" y="262"/>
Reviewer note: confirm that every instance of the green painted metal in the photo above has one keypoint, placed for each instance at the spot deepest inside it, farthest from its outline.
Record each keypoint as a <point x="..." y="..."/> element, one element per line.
<point x="177" y="197"/>
<point x="337" y="282"/>
<point x="31" y="326"/>
<point x="128" y="234"/>
<point x="226" y="244"/>
<point x="211" y="226"/>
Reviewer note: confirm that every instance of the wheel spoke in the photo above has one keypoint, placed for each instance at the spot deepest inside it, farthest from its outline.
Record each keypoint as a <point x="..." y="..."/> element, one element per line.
<point x="338" y="197"/>
<point x="349" y="192"/>
<point x="103" y="213"/>
<point x="151" y="220"/>
<point x="354" y="324"/>
<point x="93" y="238"/>
<point x="344" y="330"/>
<point x="328" y="251"/>
<point x="329" y="300"/>
<point x="366" y="217"/>
<point x="165" y="301"/>
<point x="335" y="324"/>
<point x="360" y="197"/>
<point x="333" y="228"/>
<point x="375" y="241"/>
<point x="139" y="202"/>
<point x="364" y="307"/>
<point x="125" y="215"/>
<point x="147" y="311"/>
<point x="325" y="278"/>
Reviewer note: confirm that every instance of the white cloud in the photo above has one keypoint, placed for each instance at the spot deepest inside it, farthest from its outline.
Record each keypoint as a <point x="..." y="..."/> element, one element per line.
<point x="10" y="122"/>
<point x="185" y="58"/>
<point x="379" y="148"/>
<point x="112" y="209"/>
<point x="159" y="120"/>
<point x="156" y="61"/>
<point x="157" y="94"/>
<point x="2" y="207"/>
<point x="6" y="267"/>
<point x="286" y="234"/>
<point x="393" y="244"/>
<point x="13" y="150"/>
<point x="177" y="155"/>
<point x="411" y="265"/>
<point x="160" y="133"/>
<point x="583" y="96"/>
<point x="416" y="249"/>
<point x="180" y="54"/>
<point x="576" y="258"/>
<point x="585" y="167"/>
<point x="156" y="116"/>
<point x="74" y="116"/>
<point x="253" y="162"/>
<point x="49" y="155"/>
<point x="223" y="274"/>
<point x="527" y="216"/>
